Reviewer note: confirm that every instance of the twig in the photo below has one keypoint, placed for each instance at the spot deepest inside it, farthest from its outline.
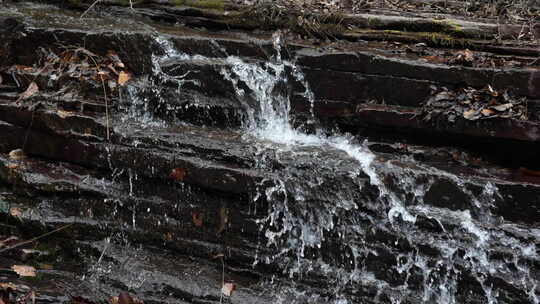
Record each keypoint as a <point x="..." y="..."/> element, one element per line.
<point x="91" y="6"/>
<point x="36" y="238"/>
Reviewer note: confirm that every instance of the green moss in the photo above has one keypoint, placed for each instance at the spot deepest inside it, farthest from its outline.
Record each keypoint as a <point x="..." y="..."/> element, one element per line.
<point x="393" y="32"/>
<point x="208" y="4"/>
<point x="451" y="28"/>
<point x="443" y="40"/>
<point x="373" y="22"/>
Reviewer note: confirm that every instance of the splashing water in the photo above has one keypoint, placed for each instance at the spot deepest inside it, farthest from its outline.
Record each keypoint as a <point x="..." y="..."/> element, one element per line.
<point x="334" y="194"/>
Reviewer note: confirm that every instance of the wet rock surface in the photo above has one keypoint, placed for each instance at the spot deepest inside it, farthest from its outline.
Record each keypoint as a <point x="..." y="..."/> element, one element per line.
<point x="173" y="185"/>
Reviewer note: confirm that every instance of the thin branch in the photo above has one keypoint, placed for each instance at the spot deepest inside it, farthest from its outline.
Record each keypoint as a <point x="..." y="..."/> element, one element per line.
<point x="91" y="6"/>
<point x="36" y="238"/>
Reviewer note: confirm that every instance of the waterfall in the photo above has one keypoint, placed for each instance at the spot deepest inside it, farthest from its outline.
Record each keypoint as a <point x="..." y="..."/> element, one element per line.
<point x="386" y="241"/>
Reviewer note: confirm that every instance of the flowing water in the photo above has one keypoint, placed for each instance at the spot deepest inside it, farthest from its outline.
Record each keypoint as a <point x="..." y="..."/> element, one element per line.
<point x="359" y="221"/>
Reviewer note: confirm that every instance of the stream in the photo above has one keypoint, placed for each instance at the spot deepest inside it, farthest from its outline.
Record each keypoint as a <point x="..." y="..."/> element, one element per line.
<point x="320" y="224"/>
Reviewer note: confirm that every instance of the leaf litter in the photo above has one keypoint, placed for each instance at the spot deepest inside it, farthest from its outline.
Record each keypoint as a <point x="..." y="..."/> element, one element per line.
<point x="473" y="104"/>
<point x="71" y="69"/>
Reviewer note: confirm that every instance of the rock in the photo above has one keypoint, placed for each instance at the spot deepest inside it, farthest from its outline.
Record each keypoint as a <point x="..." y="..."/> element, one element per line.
<point x="170" y="195"/>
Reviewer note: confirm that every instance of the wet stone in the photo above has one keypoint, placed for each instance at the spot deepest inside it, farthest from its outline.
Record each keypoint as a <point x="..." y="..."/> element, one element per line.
<point x="192" y="174"/>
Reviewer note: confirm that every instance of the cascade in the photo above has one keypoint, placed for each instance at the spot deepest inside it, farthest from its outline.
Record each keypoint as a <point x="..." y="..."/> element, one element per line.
<point x="336" y="209"/>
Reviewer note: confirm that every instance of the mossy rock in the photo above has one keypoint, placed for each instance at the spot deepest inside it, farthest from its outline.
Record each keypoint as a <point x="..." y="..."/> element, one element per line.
<point x="205" y="4"/>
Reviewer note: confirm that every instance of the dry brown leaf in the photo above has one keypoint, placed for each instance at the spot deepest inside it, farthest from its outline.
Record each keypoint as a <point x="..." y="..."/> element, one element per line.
<point x="217" y="256"/>
<point x="470" y="114"/>
<point x="1" y="79"/>
<point x="197" y="218"/>
<point x="64" y="114"/>
<point x="24" y="270"/>
<point x="22" y="67"/>
<point x="178" y="174"/>
<point x="17" y="154"/>
<point x="31" y="90"/>
<point x="8" y="285"/>
<point x="123" y="77"/>
<point x="487" y="112"/>
<point x="12" y="166"/>
<point x="227" y="289"/>
<point x="113" y="300"/>
<point x="16" y="212"/>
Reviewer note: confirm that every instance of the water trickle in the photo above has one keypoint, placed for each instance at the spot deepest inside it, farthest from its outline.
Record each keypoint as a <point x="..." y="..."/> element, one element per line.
<point x="339" y="211"/>
<point x="296" y="224"/>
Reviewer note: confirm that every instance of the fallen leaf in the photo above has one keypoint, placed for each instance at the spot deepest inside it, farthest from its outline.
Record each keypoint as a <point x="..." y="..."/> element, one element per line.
<point x="123" y="77"/>
<point x="178" y="174"/>
<point x="115" y="59"/>
<point x="16" y="212"/>
<point x="503" y="107"/>
<point x="492" y="91"/>
<point x="471" y="114"/>
<point x="31" y="90"/>
<point x="8" y="285"/>
<point x="24" y="270"/>
<point x="64" y="114"/>
<point x="197" y="218"/>
<point x="217" y="256"/>
<point x="113" y="300"/>
<point x="17" y="154"/>
<point x="487" y="112"/>
<point x="227" y="289"/>
<point x="22" y="67"/>
<point x="12" y="166"/>
<point x="1" y="79"/>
